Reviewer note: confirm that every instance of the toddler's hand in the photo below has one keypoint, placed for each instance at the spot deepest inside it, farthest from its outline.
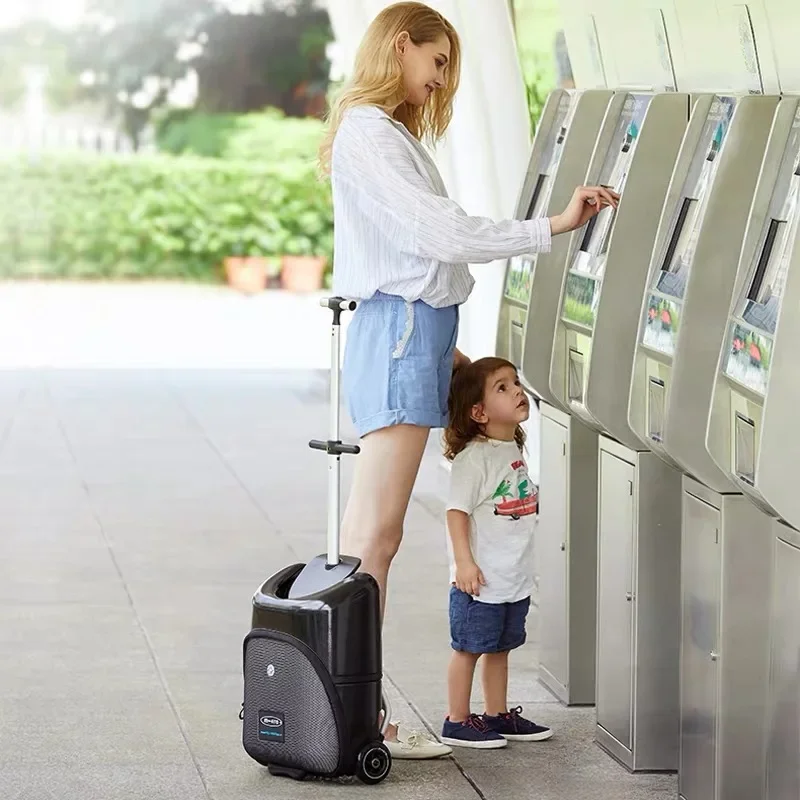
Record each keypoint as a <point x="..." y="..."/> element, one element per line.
<point x="469" y="578"/>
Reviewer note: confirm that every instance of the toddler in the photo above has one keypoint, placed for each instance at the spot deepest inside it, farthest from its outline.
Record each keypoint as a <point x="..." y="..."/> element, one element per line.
<point x="491" y="513"/>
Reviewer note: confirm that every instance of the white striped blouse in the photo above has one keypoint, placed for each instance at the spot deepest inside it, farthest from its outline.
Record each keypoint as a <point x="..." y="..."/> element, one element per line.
<point x="396" y="231"/>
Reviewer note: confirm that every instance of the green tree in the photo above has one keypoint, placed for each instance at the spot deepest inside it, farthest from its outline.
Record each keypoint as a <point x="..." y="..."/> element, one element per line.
<point x="137" y="50"/>
<point x="275" y="57"/>
<point x="132" y="49"/>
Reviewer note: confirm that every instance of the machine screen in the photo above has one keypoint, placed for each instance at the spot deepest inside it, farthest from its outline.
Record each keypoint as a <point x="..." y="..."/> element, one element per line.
<point x="519" y="274"/>
<point x="749" y="357"/>
<point x="519" y="278"/>
<point x="668" y="286"/>
<point x="584" y="281"/>
<point x="756" y="314"/>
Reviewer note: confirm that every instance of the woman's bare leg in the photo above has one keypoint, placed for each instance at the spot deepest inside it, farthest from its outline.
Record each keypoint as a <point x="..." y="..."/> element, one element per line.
<point x="385" y="472"/>
<point x="372" y="527"/>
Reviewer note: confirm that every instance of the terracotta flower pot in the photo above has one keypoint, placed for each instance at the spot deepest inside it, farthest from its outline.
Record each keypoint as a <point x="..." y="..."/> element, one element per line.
<point x="247" y="274"/>
<point x="302" y="273"/>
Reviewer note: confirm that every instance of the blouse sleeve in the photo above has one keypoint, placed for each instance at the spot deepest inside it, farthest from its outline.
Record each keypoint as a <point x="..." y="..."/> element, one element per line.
<point x="376" y="162"/>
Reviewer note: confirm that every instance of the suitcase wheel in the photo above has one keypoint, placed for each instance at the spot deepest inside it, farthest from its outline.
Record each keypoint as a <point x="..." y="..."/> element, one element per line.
<point x="374" y="763"/>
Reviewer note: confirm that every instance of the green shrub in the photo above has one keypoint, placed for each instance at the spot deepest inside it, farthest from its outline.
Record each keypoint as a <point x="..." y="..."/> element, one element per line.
<point x="184" y="132"/>
<point x="272" y="137"/>
<point x="264" y="137"/>
<point x="155" y="217"/>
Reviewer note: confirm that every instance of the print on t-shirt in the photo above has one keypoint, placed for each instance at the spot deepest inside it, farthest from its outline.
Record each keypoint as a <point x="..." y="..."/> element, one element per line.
<point x="521" y="504"/>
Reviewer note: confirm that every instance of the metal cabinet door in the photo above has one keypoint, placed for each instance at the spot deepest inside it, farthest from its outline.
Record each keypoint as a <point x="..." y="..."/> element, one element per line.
<point x="700" y="597"/>
<point x="783" y="748"/>
<point x="615" y="598"/>
<point x="552" y="545"/>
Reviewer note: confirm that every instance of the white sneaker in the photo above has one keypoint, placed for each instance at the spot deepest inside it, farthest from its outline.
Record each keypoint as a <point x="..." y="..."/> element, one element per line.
<point x="416" y="745"/>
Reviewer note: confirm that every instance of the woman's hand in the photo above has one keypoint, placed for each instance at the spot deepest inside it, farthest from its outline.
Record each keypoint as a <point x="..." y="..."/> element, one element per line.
<point x="459" y="360"/>
<point x="469" y="578"/>
<point x="585" y="203"/>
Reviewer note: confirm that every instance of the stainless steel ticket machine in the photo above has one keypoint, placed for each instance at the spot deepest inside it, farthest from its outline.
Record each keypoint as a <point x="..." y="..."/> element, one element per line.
<point x="684" y="315"/>
<point x="635" y="152"/>
<point x="754" y="437"/>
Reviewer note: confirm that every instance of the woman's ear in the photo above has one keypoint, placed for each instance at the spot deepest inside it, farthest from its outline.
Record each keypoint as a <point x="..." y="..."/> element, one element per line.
<point x="401" y="42"/>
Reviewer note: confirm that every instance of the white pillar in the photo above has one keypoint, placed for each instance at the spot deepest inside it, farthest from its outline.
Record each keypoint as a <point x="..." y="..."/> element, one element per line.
<point x="490" y="169"/>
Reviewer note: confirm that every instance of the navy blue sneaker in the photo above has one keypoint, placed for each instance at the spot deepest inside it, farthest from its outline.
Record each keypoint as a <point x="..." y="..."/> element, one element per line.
<point x="516" y="728"/>
<point x="472" y="732"/>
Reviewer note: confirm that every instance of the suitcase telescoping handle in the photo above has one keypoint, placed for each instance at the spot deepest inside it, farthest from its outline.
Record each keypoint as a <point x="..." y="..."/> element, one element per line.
<point x="333" y="446"/>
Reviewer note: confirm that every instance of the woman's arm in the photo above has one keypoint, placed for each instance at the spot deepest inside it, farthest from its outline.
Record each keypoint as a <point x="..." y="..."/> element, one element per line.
<point x="376" y="162"/>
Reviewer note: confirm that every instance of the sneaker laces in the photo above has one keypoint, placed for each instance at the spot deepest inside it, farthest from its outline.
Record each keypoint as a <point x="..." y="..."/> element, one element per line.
<point x="514" y="716"/>
<point x="476" y="722"/>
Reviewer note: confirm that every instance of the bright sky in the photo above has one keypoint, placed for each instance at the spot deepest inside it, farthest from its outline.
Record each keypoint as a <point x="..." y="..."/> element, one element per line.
<point x="64" y="12"/>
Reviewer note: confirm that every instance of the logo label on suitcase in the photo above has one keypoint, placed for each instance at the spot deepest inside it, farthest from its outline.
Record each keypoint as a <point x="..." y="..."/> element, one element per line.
<point x="270" y="726"/>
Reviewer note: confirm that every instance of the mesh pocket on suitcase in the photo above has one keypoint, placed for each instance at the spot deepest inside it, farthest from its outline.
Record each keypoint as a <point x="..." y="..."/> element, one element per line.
<point x="289" y="715"/>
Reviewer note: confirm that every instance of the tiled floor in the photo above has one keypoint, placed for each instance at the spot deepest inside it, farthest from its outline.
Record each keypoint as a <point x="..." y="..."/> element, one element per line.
<point x="138" y="511"/>
<point x="140" y="508"/>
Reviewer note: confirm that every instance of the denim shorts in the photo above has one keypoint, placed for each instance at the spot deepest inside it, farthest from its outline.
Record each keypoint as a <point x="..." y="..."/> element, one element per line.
<point x="398" y="361"/>
<point x="477" y="627"/>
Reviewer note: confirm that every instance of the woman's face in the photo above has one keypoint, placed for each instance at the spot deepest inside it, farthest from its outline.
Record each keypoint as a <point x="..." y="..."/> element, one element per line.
<point x="424" y="66"/>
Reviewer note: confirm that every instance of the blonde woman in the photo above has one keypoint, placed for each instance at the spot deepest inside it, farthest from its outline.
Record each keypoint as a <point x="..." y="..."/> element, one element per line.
<point x="402" y="247"/>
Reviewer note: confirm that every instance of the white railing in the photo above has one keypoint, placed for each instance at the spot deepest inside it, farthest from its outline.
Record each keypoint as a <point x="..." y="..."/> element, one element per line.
<point x="65" y="136"/>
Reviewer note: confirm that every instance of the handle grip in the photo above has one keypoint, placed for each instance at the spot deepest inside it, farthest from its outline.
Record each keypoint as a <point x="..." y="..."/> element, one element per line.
<point x="334" y="448"/>
<point x="337" y="305"/>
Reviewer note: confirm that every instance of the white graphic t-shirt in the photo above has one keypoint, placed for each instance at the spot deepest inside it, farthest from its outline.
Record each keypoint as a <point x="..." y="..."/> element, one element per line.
<point x="489" y="481"/>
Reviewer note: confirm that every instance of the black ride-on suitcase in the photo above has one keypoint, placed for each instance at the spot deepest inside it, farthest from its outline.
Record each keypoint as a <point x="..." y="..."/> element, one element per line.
<point x="312" y="659"/>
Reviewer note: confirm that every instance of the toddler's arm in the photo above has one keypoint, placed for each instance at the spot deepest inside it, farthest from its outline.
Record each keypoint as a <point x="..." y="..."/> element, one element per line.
<point x="469" y="577"/>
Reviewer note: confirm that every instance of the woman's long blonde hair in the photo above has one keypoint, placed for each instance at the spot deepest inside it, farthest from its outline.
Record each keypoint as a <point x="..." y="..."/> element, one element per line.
<point x="378" y="76"/>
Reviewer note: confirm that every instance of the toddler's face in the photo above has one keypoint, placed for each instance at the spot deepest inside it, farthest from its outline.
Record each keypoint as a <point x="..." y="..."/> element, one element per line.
<point x="504" y="399"/>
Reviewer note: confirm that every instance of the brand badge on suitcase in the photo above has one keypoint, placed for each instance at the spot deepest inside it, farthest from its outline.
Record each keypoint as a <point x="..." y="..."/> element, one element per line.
<point x="270" y="726"/>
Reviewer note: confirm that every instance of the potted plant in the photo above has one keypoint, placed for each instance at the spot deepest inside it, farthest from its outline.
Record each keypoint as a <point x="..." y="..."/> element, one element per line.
<point x="251" y="264"/>
<point x="306" y="217"/>
<point x="304" y="260"/>
<point x="301" y="269"/>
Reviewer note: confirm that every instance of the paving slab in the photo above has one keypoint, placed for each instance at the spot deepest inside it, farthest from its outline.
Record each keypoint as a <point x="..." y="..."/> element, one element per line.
<point x="139" y="510"/>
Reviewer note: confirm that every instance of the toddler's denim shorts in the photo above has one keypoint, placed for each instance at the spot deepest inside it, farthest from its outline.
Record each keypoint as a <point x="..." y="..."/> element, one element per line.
<point x="477" y="627"/>
<point x="398" y="361"/>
